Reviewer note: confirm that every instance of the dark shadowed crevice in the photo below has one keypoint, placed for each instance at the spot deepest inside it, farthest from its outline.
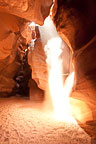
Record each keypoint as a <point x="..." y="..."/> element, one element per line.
<point x="22" y="78"/>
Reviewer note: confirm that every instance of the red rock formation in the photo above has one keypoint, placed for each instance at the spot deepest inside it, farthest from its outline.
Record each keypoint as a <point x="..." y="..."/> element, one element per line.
<point x="75" y="22"/>
<point x="13" y="18"/>
<point x="37" y="61"/>
<point x="32" y="10"/>
<point x="9" y="25"/>
<point x="35" y="93"/>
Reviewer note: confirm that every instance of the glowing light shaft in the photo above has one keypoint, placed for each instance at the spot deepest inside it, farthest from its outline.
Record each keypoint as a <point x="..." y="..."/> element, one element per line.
<point x="32" y="24"/>
<point x="59" y="92"/>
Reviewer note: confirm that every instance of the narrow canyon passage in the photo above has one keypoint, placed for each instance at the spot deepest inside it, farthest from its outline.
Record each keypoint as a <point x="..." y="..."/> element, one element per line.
<point x="33" y="122"/>
<point x="47" y="72"/>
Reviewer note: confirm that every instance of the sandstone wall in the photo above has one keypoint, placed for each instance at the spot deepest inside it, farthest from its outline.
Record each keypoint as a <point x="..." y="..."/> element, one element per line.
<point x="32" y="10"/>
<point x="75" y="22"/>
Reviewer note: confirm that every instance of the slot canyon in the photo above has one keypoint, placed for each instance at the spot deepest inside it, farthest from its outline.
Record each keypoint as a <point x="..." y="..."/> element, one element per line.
<point x="47" y="72"/>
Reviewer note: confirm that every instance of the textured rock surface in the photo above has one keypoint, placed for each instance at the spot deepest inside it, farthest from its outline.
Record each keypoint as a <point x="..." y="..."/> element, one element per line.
<point x="35" y="93"/>
<point x="75" y="21"/>
<point x="37" y="61"/>
<point x="7" y="72"/>
<point x="9" y="63"/>
<point x="20" y="123"/>
<point x="13" y="17"/>
<point x="32" y="10"/>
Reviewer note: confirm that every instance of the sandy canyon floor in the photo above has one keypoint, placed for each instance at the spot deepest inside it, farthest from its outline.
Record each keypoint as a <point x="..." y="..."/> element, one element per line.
<point x="24" y="122"/>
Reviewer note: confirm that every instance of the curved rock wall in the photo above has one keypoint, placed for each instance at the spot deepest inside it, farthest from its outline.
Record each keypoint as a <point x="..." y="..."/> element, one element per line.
<point x="75" y="22"/>
<point x="37" y="60"/>
<point x="13" y="17"/>
<point x="32" y="10"/>
<point x="9" y="64"/>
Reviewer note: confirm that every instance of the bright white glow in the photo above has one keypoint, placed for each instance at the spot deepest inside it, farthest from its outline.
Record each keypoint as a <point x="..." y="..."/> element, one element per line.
<point x="48" y="22"/>
<point x="32" y="24"/>
<point x="58" y="91"/>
